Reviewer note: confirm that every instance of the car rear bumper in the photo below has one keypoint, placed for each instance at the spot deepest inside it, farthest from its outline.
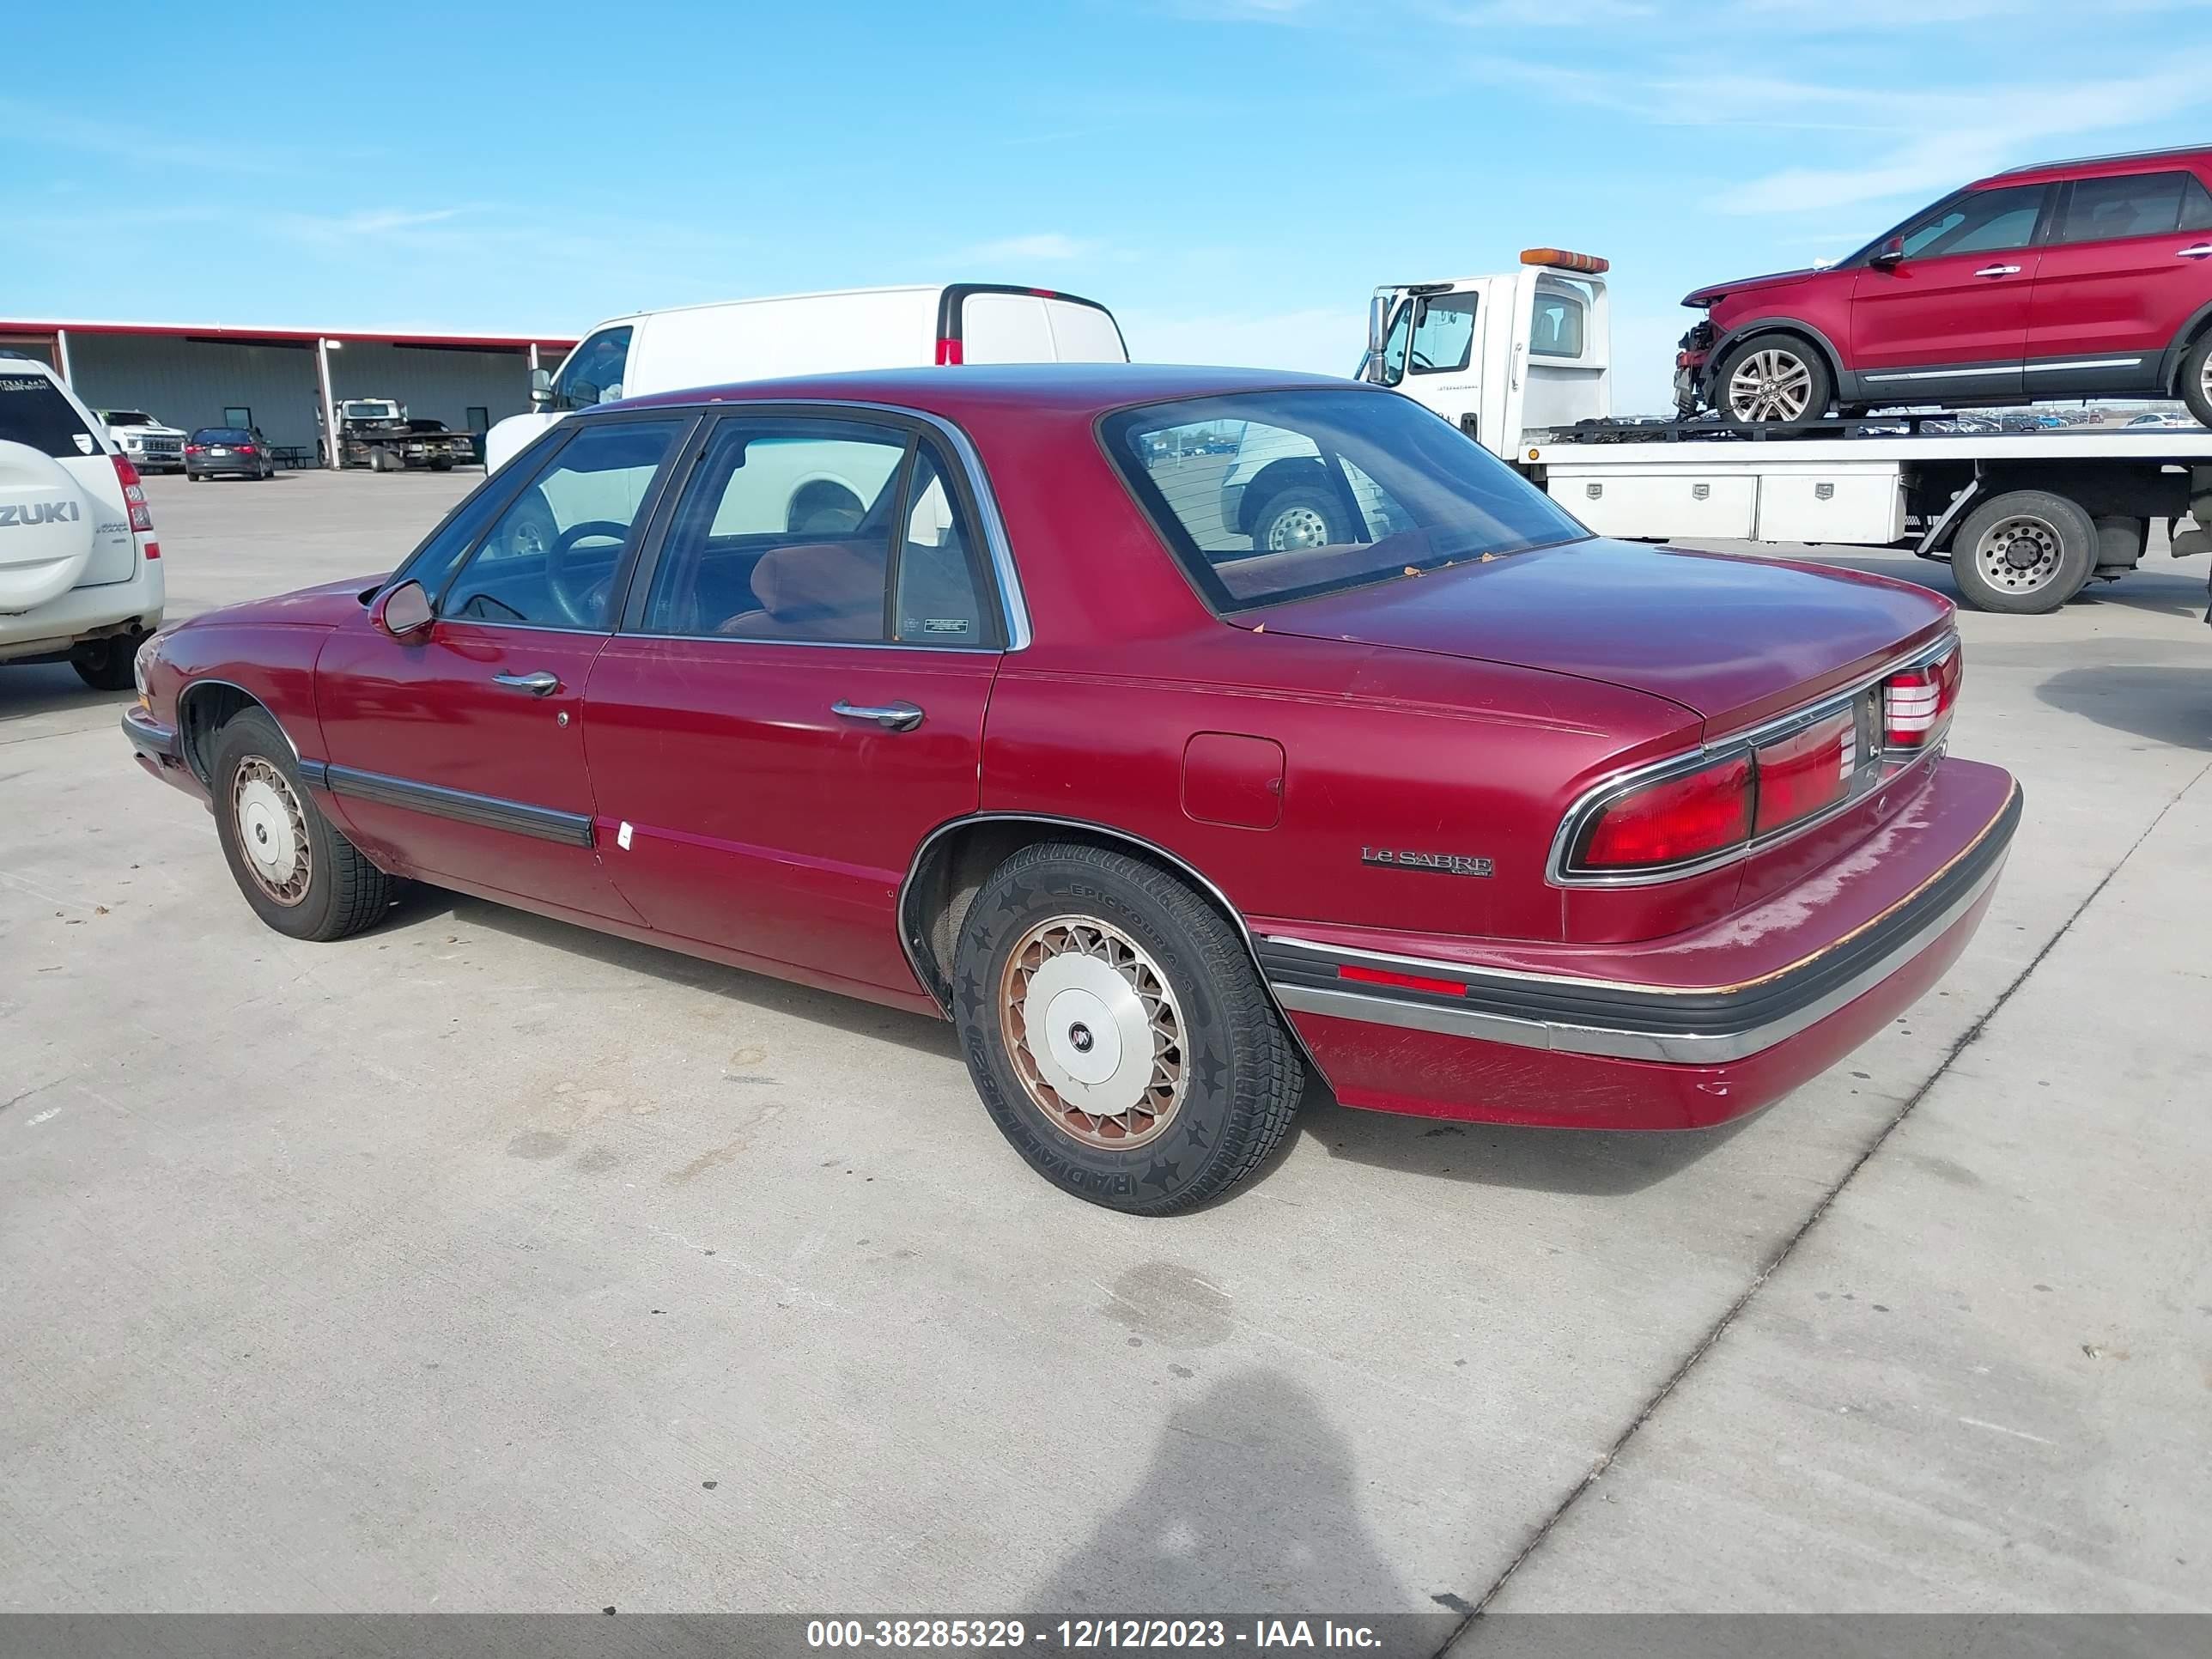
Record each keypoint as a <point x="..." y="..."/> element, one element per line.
<point x="1649" y="1044"/>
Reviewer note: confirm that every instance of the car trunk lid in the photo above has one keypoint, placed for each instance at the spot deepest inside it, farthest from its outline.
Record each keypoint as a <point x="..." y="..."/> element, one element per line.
<point x="1734" y="640"/>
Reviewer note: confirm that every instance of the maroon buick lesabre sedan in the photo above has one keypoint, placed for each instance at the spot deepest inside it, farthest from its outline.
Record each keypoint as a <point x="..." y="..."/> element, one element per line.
<point x="956" y="690"/>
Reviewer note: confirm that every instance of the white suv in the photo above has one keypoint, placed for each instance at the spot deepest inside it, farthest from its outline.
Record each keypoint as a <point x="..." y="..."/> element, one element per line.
<point x="80" y="571"/>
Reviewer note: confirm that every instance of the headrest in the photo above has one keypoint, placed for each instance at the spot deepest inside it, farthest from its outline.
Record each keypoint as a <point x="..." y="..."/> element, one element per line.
<point x="819" y="579"/>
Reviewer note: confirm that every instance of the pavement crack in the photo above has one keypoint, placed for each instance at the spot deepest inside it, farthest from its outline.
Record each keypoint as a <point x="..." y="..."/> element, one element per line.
<point x="1789" y="1246"/>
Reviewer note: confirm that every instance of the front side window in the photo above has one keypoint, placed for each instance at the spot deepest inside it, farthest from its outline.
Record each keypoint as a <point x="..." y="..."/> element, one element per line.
<point x="594" y="371"/>
<point x="551" y="559"/>
<point x="799" y="528"/>
<point x="1981" y="221"/>
<point x="1445" y="340"/>
<point x="2134" y="204"/>
<point x="1327" y="489"/>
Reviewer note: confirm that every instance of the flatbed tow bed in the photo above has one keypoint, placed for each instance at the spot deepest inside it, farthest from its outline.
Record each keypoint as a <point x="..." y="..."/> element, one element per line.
<point x="2025" y="520"/>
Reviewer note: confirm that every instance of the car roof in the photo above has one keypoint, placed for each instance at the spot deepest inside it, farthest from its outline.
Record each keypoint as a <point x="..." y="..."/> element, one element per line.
<point x="1067" y="388"/>
<point x="2099" y="166"/>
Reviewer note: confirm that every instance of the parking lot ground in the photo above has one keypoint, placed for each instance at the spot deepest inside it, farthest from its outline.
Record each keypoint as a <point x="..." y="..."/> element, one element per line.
<point x="480" y="1262"/>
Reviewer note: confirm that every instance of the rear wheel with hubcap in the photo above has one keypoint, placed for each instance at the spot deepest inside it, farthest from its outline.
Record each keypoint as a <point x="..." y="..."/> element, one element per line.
<point x="2196" y="379"/>
<point x="1118" y="1032"/>
<point x="2026" y="551"/>
<point x="1772" y="379"/>
<point x="300" y="875"/>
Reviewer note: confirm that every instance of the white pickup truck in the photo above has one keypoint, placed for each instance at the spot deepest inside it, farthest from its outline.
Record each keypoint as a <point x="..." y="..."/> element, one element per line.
<point x="149" y="445"/>
<point x="80" y="571"/>
<point x="1520" y="361"/>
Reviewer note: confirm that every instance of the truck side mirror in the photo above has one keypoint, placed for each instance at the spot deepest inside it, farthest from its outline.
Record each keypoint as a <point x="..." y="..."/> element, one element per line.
<point x="541" y="387"/>
<point x="1891" y="253"/>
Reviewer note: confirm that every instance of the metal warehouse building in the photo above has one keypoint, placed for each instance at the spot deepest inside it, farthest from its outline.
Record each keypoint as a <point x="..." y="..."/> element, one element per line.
<point x="285" y="380"/>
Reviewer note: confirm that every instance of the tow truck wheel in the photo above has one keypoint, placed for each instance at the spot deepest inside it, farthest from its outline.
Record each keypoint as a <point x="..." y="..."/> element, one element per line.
<point x="1773" y="380"/>
<point x="380" y="460"/>
<point x="2025" y="552"/>
<point x="2197" y="378"/>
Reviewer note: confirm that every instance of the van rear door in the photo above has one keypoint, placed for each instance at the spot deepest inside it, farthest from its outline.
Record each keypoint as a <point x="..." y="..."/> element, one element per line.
<point x="1032" y="326"/>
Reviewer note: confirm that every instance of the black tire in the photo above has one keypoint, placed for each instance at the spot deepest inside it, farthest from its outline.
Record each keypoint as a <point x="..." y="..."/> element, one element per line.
<point x="1799" y="372"/>
<point x="1301" y="515"/>
<point x="1238" y="1079"/>
<point x="2196" y="379"/>
<point x="441" y="465"/>
<point x="106" y="665"/>
<point x="2024" y="552"/>
<point x="379" y="460"/>
<point x="340" y="891"/>
<point x="191" y="477"/>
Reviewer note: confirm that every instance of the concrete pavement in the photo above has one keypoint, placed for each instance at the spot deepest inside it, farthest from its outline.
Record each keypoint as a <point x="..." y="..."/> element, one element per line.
<point x="481" y="1262"/>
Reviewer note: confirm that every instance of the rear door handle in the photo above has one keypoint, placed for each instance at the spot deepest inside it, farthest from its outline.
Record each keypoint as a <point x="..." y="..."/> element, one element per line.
<point x="891" y="716"/>
<point x="2202" y="251"/>
<point x="1998" y="271"/>
<point x="539" y="684"/>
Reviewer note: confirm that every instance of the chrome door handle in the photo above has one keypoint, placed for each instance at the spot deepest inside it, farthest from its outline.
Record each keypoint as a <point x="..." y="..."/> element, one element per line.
<point x="891" y="716"/>
<point x="539" y="684"/>
<point x="1998" y="271"/>
<point x="2202" y="251"/>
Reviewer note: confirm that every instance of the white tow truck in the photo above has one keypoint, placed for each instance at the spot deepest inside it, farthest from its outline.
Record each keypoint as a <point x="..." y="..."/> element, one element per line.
<point x="1520" y="361"/>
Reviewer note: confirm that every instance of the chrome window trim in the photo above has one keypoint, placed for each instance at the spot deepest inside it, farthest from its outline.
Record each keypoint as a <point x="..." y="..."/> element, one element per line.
<point x="817" y="645"/>
<point x="1013" y="604"/>
<point x="1605" y="791"/>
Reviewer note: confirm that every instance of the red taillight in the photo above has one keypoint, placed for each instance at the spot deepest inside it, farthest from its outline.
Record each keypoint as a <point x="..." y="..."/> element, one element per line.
<point x="1917" y="703"/>
<point x="1674" y="821"/>
<point x="246" y="449"/>
<point x="948" y="352"/>
<point x="134" y="494"/>
<point x="195" y="449"/>
<point x="1801" y="773"/>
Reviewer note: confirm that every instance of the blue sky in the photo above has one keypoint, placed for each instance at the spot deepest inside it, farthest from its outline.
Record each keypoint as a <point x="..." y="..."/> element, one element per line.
<point x="1231" y="176"/>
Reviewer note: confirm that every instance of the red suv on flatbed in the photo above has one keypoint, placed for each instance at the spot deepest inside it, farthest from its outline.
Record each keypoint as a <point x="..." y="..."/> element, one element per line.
<point x="2073" y="279"/>
<point x="949" y="689"/>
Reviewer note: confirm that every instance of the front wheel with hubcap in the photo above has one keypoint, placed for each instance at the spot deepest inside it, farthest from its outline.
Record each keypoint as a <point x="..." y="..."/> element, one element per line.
<point x="1774" y="378"/>
<point x="1118" y="1032"/>
<point x="300" y="875"/>
<point x="2026" y="551"/>
<point x="1300" y="516"/>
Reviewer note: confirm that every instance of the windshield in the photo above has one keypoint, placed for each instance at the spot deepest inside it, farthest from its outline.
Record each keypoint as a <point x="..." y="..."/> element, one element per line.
<point x="130" y="417"/>
<point x="1320" y="490"/>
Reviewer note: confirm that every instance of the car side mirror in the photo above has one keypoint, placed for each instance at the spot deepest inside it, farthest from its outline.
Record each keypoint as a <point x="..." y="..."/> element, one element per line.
<point x="403" y="611"/>
<point x="541" y="387"/>
<point x="1891" y="253"/>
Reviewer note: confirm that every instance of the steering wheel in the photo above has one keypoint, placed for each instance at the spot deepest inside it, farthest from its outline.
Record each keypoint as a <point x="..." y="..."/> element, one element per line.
<point x="581" y="602"/>
<point x="1422" y="363"/>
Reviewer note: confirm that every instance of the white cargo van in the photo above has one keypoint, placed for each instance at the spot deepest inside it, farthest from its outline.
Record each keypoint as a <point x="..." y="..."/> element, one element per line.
<point x="655" y="351"/>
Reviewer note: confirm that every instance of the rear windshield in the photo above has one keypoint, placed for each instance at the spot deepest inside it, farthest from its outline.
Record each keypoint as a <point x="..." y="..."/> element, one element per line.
<point x="222" y="434"/>
<point x="1275" y="495"/>
<point x="34" y="411"/>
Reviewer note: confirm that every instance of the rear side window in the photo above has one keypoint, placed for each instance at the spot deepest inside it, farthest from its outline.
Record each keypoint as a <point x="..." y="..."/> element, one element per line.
<point x="32" y="411"/>
<point x="2134" y="204"/>
<point x="1558" y="325"/>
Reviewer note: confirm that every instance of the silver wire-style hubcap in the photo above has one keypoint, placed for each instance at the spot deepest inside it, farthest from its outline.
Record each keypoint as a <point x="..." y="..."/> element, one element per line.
<point x="272" y="831"/>
<point x="1094" y="1032"/>
<point x="1772" y="385"/>
<point x="1300" y="526"/>
<point x="2018" y="554"/>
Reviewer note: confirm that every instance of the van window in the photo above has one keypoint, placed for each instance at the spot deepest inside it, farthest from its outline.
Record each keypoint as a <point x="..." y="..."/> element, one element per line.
<point x="595" y="371"/>
<point x="1445" y="340"/>
<point x="1083" y="334"/>
<point x="1005" y="328"/>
